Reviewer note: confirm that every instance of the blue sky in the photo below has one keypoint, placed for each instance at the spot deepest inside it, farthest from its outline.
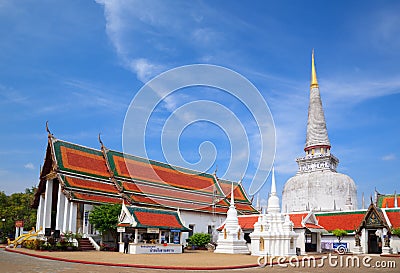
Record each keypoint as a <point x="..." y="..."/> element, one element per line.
<point x="79" y="64"/>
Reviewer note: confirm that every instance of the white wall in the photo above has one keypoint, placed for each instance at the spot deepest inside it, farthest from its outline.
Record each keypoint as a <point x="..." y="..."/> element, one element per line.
<point x="201" y="221"/>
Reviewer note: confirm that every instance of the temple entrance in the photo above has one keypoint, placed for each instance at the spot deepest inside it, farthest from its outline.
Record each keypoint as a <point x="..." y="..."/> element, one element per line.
<point x="374" y="243"/>
<point x="310" y="242"/>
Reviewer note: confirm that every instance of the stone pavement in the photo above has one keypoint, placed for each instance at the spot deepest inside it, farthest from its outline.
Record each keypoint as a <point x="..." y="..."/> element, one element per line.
<point x="15" y="262"/>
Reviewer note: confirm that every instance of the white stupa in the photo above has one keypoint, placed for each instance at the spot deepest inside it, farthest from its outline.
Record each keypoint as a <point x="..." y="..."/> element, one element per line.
<point x="231" y="238"/>
<point x="273" y="233"/>
<point x="317" y="185"/>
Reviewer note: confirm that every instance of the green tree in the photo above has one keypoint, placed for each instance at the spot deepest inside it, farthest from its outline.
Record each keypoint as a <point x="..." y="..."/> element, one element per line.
<point x="105" y="218"/>
<point x="15" y="207"/>
<point x="339" y="233"/>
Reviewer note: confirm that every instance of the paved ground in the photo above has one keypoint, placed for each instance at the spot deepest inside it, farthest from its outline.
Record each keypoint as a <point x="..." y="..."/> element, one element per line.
<point x="14" y="262"/>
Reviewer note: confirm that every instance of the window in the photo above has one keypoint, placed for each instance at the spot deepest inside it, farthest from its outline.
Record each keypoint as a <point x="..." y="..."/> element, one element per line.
<point x="191" y="231"/>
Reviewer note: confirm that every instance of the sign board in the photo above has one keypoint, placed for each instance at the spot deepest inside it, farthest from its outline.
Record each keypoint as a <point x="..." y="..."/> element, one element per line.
<point x="153" y="230"/>
<point x="120" y="229"/>
<point x="175" y="230"/>
<point x="19" y="223"/>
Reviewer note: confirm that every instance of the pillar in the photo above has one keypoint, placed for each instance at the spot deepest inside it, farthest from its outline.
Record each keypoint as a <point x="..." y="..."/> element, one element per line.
<point x="66" y="216"/>
<point x="47" y="204"/>
<point x="136" y="241"/>
<point x="39" y="213"/>
<point x="72" y="217"/>
<point x="60" y="209"/>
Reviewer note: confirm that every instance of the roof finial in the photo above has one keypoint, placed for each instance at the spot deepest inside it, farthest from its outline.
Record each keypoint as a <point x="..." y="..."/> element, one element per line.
<point x="232" y="197"/>
<point x="216" y="170"/>
<point x="101" y="142"/>
<point x="314" y="81"/>
<point x="47" y="129"/>
<point x="273" y="184"/>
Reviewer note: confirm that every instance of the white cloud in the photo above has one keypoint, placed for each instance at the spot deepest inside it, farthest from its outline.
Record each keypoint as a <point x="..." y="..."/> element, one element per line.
<point x="144" y="69"/>
<point x="29" y="166"/>
<point x="388" y="157"/>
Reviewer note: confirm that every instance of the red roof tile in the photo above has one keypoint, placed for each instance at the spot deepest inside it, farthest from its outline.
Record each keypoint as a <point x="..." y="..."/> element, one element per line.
<point x="89" y="184"/>
<point x="237" y="191"/>
<point x="394" y="217"/>
<point x="348" y="221"/>
<point x="296" y="218"/>
<point x="83" y="162"/>
<point x="388" y="201"/>
<point x="145" y="217"/>
<point x="175" y="204"/>
<point x="167" y="192"/>
<point x="96" y="198"/>
<point x="159" y="174"/>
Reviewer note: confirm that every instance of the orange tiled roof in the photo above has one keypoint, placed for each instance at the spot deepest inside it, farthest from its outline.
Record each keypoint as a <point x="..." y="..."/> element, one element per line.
<point x="238" y="193"/>
<point x="394" y="217"/>
<point x="135" y="168"/>
<point x="348" y="221"/>
<point x="78" y="159"/>
<point x="387" y="201"/>
<point x="166" y="192"/>
<point x="86" y="184"/>
<point x="96" y="198"/>
<point x="145" y="217"/>
<point x="101" y="176"/>
<point x="296" y="218"/>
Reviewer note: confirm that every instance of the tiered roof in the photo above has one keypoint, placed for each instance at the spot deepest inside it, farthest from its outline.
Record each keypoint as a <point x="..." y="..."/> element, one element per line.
<point x="105" y="176"/>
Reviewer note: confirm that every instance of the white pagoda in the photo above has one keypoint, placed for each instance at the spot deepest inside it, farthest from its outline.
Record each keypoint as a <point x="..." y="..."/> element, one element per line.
<point x="273" y="233"/>
<point x="231" y="238"/>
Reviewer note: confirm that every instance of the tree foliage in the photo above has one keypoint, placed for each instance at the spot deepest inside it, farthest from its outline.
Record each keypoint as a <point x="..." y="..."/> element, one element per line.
<point x="200" y="239"/>
<point x="339" y="233"/>
<point x="105" y="218"/>
<point x="16" y="207"/>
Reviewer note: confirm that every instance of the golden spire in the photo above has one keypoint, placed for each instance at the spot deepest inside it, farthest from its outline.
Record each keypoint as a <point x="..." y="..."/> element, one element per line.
<point x="314" y="81"/>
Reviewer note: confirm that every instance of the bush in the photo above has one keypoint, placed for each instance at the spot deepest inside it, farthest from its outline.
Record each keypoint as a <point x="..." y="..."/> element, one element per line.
<point x="396" y="231"/>
<point x="339" y="233"/>
<point x="200" y="239"/>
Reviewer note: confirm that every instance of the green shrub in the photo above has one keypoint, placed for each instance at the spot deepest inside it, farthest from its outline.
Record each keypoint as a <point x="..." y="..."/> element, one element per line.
<point x="339" y="233"/>
<point x="200" y="239"/>
<point x="396" y="231"/>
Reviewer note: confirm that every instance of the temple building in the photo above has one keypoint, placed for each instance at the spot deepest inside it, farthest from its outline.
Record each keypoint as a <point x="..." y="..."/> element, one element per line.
<point x="317" y="185"/>
<point x="75" y="178"/>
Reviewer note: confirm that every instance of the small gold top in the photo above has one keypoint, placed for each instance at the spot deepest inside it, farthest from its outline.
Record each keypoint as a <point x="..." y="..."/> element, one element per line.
<point x="314" y="81"/>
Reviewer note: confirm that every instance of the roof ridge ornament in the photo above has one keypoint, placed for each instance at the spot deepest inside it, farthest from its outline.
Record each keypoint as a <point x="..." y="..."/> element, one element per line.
<point x="314" y="81"/>
<point x="48" y="130"/>
<point x="101" y="142"/>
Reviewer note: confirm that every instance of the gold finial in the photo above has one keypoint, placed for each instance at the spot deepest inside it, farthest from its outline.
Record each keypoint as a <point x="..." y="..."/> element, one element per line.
<point x="314" y="81"/>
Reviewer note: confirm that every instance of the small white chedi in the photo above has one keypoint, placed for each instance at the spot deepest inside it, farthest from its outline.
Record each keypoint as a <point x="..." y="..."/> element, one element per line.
<point x="273" y="233"/>
<point x="231" y="238"/>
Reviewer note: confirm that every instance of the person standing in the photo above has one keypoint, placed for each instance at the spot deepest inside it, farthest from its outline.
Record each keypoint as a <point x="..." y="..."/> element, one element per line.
<point x="126" y="243"/>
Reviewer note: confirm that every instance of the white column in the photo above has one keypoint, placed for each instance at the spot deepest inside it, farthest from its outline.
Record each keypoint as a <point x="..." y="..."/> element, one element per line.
<point x="47" y="204"/>
<point x="60" y="209"/>
<point x="72" y="217"/>
<point x="39" y="213"/>
<point x="66" y="216"/>
<point x="136" y="241"/>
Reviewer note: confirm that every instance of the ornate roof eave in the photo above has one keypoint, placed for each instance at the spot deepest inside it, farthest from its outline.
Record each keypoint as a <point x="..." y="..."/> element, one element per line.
<point x="104" y="150"/>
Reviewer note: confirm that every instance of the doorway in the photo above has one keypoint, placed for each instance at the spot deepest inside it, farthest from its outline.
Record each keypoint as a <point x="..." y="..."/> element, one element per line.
<point x="374" y="242"/>
<point x="311" y="242"/>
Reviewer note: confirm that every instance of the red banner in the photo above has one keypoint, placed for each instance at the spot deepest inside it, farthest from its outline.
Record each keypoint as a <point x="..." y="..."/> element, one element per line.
<point x="19" y="223"/>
